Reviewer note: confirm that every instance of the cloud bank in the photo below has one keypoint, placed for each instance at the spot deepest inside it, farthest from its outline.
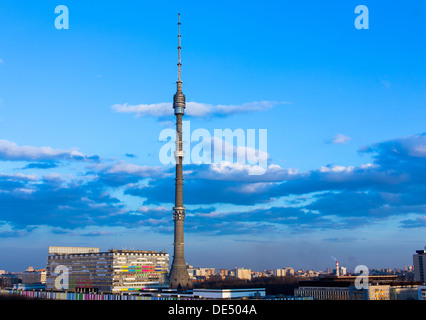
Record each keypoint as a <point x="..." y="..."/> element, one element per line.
<point x="334" y="197"/>
<point x="194" y="109"/>
<point x="11" y="151"/>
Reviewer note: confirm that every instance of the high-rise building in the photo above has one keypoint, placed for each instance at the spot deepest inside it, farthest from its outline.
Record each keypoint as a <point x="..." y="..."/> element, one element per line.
<point x="243" y="273"/>
<point x="279" y="273"/>
<point x="179" y="278"/>
<point x="419" y="261"/>
<point x="78" y="270"/>
<point x="283" y="272"/>
<point x="223" y="273"/>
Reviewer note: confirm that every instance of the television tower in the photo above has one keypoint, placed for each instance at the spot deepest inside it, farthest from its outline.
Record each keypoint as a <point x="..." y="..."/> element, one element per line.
<point x="179" y="277"/>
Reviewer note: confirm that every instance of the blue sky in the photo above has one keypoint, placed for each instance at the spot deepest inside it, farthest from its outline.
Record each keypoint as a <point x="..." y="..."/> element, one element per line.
<point x="81" y="111"/>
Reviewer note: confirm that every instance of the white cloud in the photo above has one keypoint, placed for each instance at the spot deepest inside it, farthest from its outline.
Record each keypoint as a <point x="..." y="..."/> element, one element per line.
<point x="339" y="139"/>
<point x="242" y="153"/>
<point x="133" y="169"/>
<point x="336" y="169"/>
<point x="194" y="109"/>
<point x="419" y="151"/>
<point x="20" y="176"/>
<point x="11" y="151"/>
<point x="53" y="177"/>
<point x="228" y="171"/>
<point x="160" y="209"/>
<point x="155" y="110"/>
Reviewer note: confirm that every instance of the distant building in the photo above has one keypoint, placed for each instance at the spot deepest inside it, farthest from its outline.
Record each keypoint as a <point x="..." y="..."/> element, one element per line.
<point x="419" y="261"/>
<point x="8" y="280"/>
<point x="374" y="292"/>
<point x="31" y="276"/>
<point x="223" y="273"/>
<point x="343" y="288"/>
<point x="323" y="290"/>
<point x="289" y="271"/>
<point x="229" y="293"/>
<point x="404" y="290"/>
<point x="205" y="272"/>
<point x="395" y="290"/>
<point x="312" y="273"/>
<point x="283" y="272"/>
<point x="267" y="273"/>
<point x="262" y="274"/>
<point x="114" y="271"/>
<point x="421" y="293"/>
<point x="243" y="273"/>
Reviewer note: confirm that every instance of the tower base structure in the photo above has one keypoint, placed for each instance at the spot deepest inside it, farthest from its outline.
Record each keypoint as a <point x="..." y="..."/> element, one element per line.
<point x="179" y="278"/>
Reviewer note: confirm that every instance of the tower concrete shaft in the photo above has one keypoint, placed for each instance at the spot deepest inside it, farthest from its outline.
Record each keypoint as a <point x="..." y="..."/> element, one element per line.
<point x="179" y="277"/>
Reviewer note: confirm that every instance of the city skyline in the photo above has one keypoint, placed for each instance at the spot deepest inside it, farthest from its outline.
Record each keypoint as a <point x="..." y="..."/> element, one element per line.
<point x="82" y="109"/>
<point x="330" y="270"/>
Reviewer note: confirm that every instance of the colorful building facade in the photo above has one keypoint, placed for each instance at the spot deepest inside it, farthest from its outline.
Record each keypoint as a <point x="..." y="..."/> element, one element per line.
<point x="114" y="271"/>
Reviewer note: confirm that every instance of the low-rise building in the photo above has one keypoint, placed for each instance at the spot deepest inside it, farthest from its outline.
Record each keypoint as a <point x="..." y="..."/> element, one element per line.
<point x="344" y="288"/>
<point x="323" y="290"/>
<point x="31" y="276"/>
<point x="404" y="290"/>
<point x="373" y="292"/>
<point x="421" y="293"/>
<point x="229" y="293"/>
<point x="8" y="280"/>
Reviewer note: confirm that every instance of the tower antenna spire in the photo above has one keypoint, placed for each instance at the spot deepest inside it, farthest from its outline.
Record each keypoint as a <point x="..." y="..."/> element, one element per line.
<point x="179" y="48"/>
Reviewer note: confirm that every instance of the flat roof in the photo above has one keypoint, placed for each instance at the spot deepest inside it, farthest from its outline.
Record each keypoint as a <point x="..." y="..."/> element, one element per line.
<point x="134" y="251"/>
<point x="109" y="252"/>
<point x="70" y="250"/>
<point x="230" y="290"/>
